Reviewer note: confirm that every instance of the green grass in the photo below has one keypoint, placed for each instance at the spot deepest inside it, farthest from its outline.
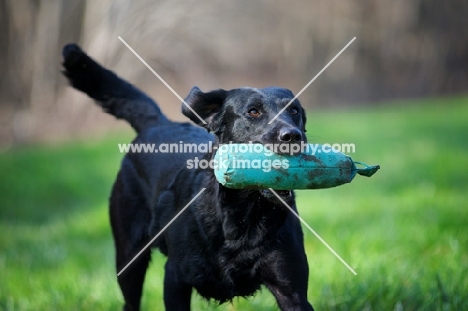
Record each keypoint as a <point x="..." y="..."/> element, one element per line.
<point x="404" y="231"/>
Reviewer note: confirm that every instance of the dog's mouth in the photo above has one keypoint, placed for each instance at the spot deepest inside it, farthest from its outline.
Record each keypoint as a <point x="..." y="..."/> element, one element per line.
<point x="283" y="148"/>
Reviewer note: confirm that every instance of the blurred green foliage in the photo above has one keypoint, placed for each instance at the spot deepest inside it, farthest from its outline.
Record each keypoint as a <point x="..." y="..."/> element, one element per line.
<point x="405" y="230"/>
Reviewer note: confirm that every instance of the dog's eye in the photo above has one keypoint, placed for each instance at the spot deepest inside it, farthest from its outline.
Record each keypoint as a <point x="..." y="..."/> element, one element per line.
<point x="254" y="112"/>
<point x="293" y="111"/>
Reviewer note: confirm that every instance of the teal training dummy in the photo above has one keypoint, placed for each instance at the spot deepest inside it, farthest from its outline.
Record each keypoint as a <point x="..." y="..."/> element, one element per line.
<point x="255" y="166"/>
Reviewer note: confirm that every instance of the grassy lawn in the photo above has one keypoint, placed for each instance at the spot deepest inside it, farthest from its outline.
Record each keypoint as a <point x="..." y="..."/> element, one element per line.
<point x="404" y="231"/>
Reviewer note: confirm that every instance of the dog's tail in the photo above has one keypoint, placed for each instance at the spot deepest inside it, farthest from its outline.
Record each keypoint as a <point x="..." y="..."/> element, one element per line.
<point x="114" y="95"/>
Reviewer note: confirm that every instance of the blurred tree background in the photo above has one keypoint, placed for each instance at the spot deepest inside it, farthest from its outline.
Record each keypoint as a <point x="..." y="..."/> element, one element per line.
<point x="404" y="49"/>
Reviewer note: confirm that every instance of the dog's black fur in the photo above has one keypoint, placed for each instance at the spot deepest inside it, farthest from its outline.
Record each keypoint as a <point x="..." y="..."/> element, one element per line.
<point x="228" y="242"/>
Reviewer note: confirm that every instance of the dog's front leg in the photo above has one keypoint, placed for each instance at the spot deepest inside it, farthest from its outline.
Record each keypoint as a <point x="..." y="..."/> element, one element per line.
<point x="287" y="278"/>
<point x="288" y="299"/>
<point x="177" y="294"/>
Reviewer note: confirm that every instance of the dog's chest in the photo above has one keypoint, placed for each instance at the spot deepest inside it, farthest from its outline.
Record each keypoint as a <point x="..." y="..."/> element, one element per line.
<point x="230" y="276"/>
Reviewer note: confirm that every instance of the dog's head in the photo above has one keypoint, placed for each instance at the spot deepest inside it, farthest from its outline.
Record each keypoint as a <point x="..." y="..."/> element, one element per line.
<point x="242" y="115"/>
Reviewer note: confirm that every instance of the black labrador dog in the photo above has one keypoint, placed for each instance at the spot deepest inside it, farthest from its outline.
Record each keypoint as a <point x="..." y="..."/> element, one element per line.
<point x="228" y="242"/>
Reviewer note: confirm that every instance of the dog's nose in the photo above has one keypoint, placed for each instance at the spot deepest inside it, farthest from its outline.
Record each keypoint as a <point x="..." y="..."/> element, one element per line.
<point x="290" y="135"/>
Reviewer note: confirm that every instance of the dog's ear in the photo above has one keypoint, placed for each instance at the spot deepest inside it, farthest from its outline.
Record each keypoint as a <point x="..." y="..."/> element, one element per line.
<point x="203" y="106"/>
